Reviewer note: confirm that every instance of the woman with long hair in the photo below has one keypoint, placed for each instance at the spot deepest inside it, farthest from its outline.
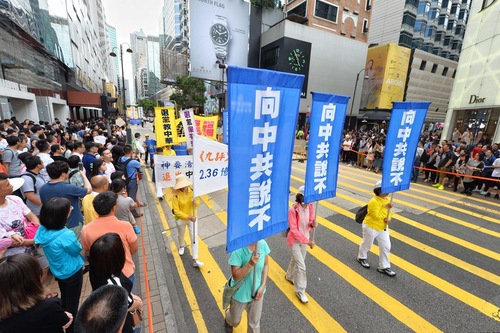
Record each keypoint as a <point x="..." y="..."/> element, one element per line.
<point x="98" y="168"/>
<point x="106" y="261"/>
<point x="24" y="308"/>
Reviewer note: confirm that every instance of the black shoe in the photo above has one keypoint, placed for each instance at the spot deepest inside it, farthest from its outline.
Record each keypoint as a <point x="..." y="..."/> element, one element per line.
<point x="496" y="196"/>
<point x="463" y="192"/>
<point x="469" y="193"/>
<point x="454" y="190"/>
<point x="386" y="271"/>
<point x="487" y="195"/>
<point x="227" y="328"/>
<point x="364" y="263"/>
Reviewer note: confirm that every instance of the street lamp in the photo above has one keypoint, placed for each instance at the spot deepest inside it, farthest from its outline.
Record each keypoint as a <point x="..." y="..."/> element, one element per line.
<point x="113" y="54"/>
<point x="354" y="95"/>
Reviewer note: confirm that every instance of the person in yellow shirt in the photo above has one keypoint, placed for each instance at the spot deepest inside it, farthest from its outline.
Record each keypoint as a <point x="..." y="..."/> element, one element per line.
<point x="99" y="184"/>
<point x="184" y="209"/>
<point x="376" y="226"/>
<point x="168" y="151"/>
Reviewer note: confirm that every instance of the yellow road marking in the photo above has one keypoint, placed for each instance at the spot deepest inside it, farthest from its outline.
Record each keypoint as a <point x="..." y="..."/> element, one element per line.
<point x="186" y="284"/>
<point x="471" y="300"/>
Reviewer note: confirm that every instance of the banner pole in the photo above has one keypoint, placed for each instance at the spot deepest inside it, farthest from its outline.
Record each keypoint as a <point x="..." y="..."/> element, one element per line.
<point x="254" y="292"/>
<point x="389" y="210"/>
<point x="315" y="212"/>
<point x="194" y="235"/>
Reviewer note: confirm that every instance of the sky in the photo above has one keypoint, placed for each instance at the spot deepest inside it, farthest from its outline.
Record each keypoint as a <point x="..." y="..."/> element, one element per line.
<point x="129" y="16"/>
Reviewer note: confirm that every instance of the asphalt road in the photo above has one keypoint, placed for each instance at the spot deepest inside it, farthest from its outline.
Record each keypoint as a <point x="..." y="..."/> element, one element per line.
<point x="445" y="250"/>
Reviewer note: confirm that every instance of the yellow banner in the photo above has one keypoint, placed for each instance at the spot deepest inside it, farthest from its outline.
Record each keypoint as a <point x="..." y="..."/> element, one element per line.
<point x="165" y="126"/>
<point x="207" y="126"/>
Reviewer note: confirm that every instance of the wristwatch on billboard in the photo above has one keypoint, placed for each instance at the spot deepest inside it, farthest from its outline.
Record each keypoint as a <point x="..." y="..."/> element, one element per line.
<point x="219" y="33"/>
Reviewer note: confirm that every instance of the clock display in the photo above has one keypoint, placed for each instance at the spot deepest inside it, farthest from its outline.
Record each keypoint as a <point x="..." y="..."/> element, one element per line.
<point x="219" y="34"/>
<point x="296" y="59"/>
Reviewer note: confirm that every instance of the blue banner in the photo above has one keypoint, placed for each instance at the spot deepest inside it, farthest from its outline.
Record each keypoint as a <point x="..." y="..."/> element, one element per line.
<point x="263" y="111"/>
<point x="407" y="119"/>
<point x="325" y="134"/>
<point x="225" y="126"/>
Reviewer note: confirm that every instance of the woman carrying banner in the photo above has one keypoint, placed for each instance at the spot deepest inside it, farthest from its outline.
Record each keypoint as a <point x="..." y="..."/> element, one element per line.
<point x="375" y="226"/>
<point x="243" y="262"/>
<point x="184" y="209"/>
<point x="300" y="221"/>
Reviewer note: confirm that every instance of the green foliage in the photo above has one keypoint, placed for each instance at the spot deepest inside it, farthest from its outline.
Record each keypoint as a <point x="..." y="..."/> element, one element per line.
<point x="147" y="105"/>
<point x="264" y="3"/>
<point x="189" y="92"/>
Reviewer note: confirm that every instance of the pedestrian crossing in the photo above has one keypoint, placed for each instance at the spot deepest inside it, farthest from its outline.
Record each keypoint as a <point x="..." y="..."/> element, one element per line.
<point x="446" y="256"/>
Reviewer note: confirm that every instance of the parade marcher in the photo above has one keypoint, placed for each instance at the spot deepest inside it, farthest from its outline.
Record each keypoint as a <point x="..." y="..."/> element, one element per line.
<point x="63" y="251"/>
<point x="301" y="220"/>
<point x="151" y="149"/>
<point x="376" y="226"/>
<point x="184" y="209"/>
<point x="24" y="306"/>
<point x="242" y="261"/>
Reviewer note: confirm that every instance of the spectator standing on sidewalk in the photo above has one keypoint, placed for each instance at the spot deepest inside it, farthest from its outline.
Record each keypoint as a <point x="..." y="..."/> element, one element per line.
<point x="63" y="252"/>
<point x="376" y="226"/>
<point x="445" y="163"/>
<point x="346" y="148"/>
<point x="301" y="220"/>
<point x="33" y="182"/>
<point x="124" y="205"/>
<point x="362" y="151"/>
<point x="473" y="167"/>
<point x="132" y="169"/>
<point x="44" y="154"/>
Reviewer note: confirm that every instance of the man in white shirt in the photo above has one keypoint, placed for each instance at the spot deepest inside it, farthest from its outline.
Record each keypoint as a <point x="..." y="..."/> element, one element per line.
<point x="44" y="148"/>
<point x="107" y="157"/>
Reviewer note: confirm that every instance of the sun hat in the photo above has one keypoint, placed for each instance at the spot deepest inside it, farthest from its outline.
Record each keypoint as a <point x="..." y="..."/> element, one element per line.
<point x="378" y="184"/>
<point x="181" y="181"/>
<point x="146" y="134"/>
<point x="16" y="183"/>
<point x="301" y="190"/>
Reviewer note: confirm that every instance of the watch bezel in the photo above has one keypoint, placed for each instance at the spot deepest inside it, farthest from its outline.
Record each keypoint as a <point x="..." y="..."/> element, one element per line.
<point x="212" y="38"/>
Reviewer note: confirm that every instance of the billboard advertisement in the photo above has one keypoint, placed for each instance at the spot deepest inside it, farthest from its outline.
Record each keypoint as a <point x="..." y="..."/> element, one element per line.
<point x="385" y="76"/>
<point x="218" y="31"/>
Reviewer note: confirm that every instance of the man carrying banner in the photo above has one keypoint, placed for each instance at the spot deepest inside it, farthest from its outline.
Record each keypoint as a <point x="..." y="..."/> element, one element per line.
<point x="300" y="221"/>
<point x="184" y="209"/>
<point x="375" y="227"/>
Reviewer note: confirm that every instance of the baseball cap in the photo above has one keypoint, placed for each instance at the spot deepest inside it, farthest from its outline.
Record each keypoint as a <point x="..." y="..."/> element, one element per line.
<point x="378" y="184"/>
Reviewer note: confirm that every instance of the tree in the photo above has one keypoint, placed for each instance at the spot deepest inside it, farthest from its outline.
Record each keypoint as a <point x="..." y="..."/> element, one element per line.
<point x="147" y="105"/>
<point x="189" y="92"/>
<point x="264" y="3"/>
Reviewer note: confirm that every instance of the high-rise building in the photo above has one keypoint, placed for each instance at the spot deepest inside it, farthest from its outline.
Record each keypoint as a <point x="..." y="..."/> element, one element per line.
<point x="114" y="73"/>
<point x="145" y="64"/>
<point x="51" y="57"/>
<point x="348" y="18"/>
<point x="434" y="26"/>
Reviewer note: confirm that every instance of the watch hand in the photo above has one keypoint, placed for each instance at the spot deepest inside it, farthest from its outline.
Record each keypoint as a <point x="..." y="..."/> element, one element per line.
<point x="296" y="57"/>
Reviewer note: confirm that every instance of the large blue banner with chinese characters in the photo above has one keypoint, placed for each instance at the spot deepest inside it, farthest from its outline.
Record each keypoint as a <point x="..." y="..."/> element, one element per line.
<point x="325" y="134"/>
<point x="263" y="111"/>
<point x="407" y="119"/>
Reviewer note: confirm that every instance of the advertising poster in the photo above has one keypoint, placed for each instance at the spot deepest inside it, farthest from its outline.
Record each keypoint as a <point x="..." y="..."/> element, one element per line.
<point x="218" y="32"/>
<point x="165" y="126"/>
<point x="384" y="78"/>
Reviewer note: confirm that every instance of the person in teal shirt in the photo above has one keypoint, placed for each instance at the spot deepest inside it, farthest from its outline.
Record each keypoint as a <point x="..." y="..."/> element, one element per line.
<point x="243" y="261"/>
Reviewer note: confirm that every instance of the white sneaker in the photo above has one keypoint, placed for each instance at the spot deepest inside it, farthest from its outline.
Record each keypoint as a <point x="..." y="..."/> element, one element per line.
<point x="302" y="297"/>
<point x="181" y="251"/>
<point x="198" y="263"/>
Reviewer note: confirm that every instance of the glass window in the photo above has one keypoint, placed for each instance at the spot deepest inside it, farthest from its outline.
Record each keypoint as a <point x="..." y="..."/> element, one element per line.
<point x="433" y="13"/>
<point x="462" y="15"/>
<point x="422" y="65"/>
<point x="434" y="68"/>
<point x="414" y="3"/>
<point x="455" y="45"/>
<point x="443" y="20"/>
<point x="409" y="19"/>
<point x="454" y="8"/>
<point x="445" y="71"/>
<point x="447" y="41"/>
<point x="270" y="57"/>
<point x="439" y="36"/>
<point x="423" y="7"/>
<point x="326" y="11"/>
<point x="430" y="31"/>
<point x="405" y="39"/>
<point x="451" y="25"/>
<point x="458" y="30"/>
<point x="299" y="10"/>
<point x="420" y="25"/>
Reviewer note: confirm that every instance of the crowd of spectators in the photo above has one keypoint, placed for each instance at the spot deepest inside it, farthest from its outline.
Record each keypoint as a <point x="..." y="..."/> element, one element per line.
<point x="66" y="190"/>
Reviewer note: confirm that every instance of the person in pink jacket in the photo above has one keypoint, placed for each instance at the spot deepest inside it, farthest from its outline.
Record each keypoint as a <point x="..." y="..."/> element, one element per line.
<point x="301" y="220"/>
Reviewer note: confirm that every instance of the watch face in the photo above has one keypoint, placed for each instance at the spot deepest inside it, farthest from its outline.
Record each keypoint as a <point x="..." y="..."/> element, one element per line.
<point x="296" y="60"/>
<point x="219" y="34"/>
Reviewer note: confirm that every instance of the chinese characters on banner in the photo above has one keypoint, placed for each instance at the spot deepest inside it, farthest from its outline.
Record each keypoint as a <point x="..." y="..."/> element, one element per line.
<point x="327" y="121"/>
<point x="167" y="167"/>
<point x="181" y="134"/>
<point x="187" y="117"/>
<point x="165" y="126"/>
<point x="263" y="108"/>
<point x="210" y="159"/>
<point x="407" y="119"/>
<point x="207" y="126"/>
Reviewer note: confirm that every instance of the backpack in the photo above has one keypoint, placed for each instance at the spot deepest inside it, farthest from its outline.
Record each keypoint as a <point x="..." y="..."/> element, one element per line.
<point x="72" y="173"/>
<point x="122" y="166"/>
<point x="361" y="214"/>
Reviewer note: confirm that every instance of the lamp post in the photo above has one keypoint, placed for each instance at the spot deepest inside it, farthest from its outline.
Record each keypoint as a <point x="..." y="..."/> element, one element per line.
<point x="354" y="96"/>
<point x="113" y="54"/>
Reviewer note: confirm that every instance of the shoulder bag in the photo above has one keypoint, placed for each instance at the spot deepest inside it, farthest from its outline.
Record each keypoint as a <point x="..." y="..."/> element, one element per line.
<point x="230" y="289"/>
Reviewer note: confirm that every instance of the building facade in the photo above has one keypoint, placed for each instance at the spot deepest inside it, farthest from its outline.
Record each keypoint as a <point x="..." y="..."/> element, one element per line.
<point x="475" y="101"/>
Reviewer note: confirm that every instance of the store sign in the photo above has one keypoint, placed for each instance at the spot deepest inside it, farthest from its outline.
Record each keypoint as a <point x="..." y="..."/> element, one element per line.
<point x="475" y="99"/>
<point x="13" y="85"/>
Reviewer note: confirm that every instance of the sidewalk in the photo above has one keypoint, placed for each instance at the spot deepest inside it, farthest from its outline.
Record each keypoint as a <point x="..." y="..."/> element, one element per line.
<point x="162" y="310"/>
